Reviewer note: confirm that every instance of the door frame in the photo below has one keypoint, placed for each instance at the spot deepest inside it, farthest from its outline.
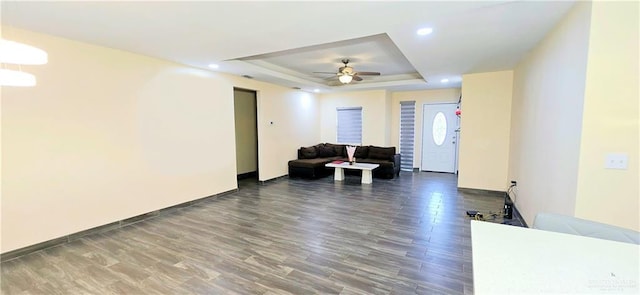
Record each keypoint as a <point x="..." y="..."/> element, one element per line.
<point x="255" y="93"/>
<point x="457" y="134"/>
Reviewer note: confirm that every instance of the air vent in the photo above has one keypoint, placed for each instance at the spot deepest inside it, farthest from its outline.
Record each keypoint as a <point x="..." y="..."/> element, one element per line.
<point x="296" y="88"/>
<point x="247" y="76"/>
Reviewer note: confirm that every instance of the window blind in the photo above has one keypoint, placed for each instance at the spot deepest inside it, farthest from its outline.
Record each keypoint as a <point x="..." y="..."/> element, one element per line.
<point x="350" y="125"/>
<point x="407" y="127"/>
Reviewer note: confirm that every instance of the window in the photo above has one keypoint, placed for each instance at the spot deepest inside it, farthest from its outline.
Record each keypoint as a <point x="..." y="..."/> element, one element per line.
<point x="439" y="128"/>
<point x="407" y="127"/>
<point x="350" y="125"/>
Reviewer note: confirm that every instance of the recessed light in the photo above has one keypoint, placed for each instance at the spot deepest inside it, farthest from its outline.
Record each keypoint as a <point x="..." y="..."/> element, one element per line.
<point x="214" y="66"/>
<point x="424" y="31"/>
<point x="316" y="90"/>
<point x="444" y="81"/>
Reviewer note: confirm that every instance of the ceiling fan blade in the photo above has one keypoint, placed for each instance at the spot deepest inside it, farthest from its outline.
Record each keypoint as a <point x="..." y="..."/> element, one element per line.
<point x="335" y="83"/>
<point x="332" y="73"/>
<point x="330" y="78"/>
<point x="356" y="78"/>
<point x="368" y="73"/>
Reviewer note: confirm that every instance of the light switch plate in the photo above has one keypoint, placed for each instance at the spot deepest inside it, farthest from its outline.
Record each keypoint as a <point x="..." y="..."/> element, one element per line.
<point x="616" y="161"/>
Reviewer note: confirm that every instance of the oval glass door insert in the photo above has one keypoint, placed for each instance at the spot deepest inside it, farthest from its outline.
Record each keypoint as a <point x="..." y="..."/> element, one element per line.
<point x="439" y="128"/>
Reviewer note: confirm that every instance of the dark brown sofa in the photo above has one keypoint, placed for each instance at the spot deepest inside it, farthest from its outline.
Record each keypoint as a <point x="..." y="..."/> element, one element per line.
<point x="311" y="160"/>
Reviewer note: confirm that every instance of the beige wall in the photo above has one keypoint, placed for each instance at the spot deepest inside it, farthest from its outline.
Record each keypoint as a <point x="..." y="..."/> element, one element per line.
<point x="374" y="115"/>
<point x="422" y="97"/>
<point x="484" y="130"/>
<point x="246" y="130"/>
<point x="107" y="135"/>
<point x="388" y="120"/>
<point x="610" y="118"/>
<point x="575" y="101"/>
<point x="287" y="120"/>
<point x="547" y="118"/>
<point x="1" y="165"/>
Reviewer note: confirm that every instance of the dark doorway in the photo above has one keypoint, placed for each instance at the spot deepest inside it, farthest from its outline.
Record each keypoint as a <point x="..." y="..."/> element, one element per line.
<point x="246" y="126"/>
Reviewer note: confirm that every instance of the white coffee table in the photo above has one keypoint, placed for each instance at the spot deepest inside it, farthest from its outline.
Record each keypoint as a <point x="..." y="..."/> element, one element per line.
<point x="367" y="176"/>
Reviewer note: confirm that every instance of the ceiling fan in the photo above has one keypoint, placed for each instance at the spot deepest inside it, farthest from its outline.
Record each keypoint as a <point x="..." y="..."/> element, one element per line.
<point x="346" y="74"/>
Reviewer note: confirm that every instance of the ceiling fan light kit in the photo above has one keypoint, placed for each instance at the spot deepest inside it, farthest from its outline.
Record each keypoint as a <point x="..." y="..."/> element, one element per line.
<point x="345" y="78"/>
<point x="346" y="74"/>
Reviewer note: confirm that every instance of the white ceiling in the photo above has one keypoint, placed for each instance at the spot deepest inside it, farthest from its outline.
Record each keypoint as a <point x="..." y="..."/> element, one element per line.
<point x="285" y="42"/>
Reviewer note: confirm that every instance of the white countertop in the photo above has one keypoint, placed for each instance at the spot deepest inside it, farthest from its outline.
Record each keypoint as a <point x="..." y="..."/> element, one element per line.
<point x="515" y="260"/>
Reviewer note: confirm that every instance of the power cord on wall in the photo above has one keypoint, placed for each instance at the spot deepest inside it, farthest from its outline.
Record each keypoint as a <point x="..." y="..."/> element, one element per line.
<point x="506" y="212"/>
<point x="511" y="191"/>
<point x="509" y="201"/>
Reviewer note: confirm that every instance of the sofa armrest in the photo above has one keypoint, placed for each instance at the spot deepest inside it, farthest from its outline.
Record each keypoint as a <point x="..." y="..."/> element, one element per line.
<point x="396" y="159"/>
<point x="299" y="154"/>
<point x="396" y="163"/>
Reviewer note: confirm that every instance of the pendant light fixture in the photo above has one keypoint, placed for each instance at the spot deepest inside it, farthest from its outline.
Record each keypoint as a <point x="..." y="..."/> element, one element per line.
<point x="12" y="52"/>
<point x="16" y="53"/>
<point x="16" y="78"/>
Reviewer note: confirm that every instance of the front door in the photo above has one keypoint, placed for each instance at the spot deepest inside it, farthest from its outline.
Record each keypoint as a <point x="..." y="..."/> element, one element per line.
<point x="439" y="137"/>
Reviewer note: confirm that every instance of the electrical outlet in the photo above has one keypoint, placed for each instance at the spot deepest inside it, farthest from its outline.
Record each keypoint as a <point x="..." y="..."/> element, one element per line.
<point x="616" y="161"/>
<point x="513" y="182"/>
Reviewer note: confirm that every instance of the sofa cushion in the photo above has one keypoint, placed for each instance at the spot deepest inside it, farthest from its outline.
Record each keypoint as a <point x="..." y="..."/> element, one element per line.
<point x="338" y="148"/>
<point x="375" y="161"/>
<point x="383" y="163"/>
<point x="382" y="153"/>
<point x="308" y="152"/>
<point x="361" y="152"/>
<point x="325" y="151"/>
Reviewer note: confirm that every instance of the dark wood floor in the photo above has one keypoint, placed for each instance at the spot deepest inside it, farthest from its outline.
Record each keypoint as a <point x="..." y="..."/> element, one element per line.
<point x="409" y="235"/>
